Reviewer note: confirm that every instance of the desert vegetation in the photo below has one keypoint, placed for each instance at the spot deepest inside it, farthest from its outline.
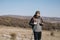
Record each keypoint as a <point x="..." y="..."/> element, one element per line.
<point x="17" y="33"/>
<point x="12" y="28"/>
<point x="24" y="23"/>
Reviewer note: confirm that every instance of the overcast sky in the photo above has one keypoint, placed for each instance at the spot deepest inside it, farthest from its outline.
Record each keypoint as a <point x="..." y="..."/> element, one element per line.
<point x="50" y="8"/>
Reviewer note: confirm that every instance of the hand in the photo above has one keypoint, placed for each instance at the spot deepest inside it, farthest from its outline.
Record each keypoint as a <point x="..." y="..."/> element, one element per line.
<point x="41" y="24"/>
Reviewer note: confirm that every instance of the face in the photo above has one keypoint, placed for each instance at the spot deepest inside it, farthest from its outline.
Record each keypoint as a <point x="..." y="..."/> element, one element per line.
<point x="38" y="14"/>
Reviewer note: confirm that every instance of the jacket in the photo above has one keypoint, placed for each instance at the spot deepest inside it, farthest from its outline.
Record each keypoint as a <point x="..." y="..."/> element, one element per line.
<point x="36" y="27"/>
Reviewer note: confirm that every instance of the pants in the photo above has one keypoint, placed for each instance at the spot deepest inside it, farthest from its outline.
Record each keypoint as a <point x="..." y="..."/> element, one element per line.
<point x="37" y="35"/>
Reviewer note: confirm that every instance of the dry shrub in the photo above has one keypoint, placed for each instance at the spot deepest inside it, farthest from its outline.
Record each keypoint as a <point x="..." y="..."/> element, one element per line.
<point x="13" y="36"/>
<point x="24" y="23"/>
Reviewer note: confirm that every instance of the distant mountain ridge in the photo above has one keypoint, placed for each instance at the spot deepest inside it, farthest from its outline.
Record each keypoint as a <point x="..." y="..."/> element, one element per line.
<point x="47" y="19"/>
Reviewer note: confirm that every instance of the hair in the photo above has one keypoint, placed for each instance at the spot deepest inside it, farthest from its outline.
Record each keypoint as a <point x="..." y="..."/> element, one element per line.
<point x="36" y="14"/>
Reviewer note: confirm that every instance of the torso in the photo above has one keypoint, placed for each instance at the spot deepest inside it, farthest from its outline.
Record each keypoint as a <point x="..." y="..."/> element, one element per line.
<point x="37" y="28"/>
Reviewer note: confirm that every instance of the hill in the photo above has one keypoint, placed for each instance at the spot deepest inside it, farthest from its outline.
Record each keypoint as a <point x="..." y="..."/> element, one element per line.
<point x="23" y="21"/>
<point x="47" y="19"/>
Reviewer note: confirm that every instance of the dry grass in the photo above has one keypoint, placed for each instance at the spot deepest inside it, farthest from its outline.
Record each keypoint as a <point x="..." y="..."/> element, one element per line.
<point x="6" y="33"/>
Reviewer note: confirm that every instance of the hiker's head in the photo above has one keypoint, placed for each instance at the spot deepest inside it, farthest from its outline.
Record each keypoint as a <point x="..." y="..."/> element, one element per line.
<point x="37" y="14"/>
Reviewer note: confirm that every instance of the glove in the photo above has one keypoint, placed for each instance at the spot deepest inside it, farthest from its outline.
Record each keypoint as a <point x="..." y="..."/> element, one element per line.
<point x="40" y="24"/>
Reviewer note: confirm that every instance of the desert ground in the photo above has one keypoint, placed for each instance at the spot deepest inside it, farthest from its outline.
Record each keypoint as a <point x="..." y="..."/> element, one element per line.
<point x="16" y="33"/>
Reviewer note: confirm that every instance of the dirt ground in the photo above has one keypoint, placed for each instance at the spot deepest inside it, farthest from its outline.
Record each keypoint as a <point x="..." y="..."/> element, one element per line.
<point x="16" y="33"/>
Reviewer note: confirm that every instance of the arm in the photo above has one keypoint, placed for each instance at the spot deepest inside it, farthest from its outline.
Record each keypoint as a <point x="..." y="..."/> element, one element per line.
<point x="31" y="22"/>
<point x="41" y="22"/>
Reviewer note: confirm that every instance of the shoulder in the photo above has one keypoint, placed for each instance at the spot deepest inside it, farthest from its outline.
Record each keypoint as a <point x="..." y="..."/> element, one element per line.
<point x="40" y="17"/>
<point x="32" y="18"/>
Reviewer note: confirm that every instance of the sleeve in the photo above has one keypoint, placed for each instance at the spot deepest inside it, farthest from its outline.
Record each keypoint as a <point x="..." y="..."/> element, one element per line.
<point x="31" y="22"/>
<point x="41" y="20"/>
<point x="41" y="24"/>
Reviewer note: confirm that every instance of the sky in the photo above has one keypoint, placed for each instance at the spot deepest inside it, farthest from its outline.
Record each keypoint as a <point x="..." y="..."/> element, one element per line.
<point x="48" y="8"/>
